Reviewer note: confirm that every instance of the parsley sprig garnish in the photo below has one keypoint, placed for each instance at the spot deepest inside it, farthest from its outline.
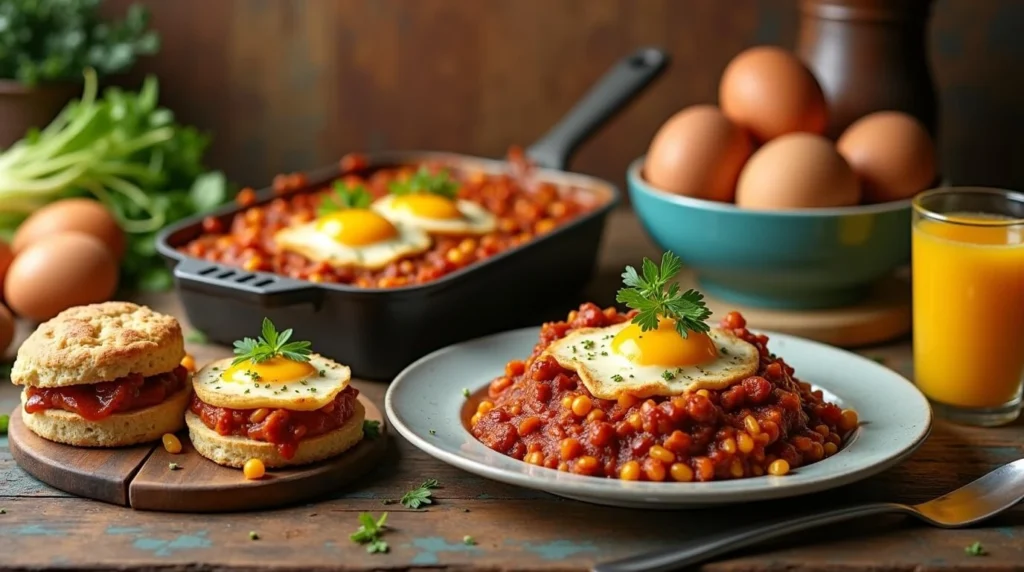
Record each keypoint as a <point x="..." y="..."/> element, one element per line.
<point x="976" y="549"/>
<point x="370" y="531"/>
<point x="423" y="181"/>
<point x="371" y="428"/>
<point x="419" y="496"/>
<point x="654" y="297"/>
<point x="271" y="344"/>
<point x="345" y="196"/>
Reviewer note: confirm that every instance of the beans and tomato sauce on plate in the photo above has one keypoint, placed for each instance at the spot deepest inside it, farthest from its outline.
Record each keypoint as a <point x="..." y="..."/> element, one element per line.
<point x="770" y="423"/>
<point x="525" y="208"/>
<point x="282" y="427"/>
<point x="101" y="400"/>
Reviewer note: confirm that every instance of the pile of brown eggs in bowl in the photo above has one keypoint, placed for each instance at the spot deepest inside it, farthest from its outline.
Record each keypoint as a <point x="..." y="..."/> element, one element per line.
<point x="763" y="146"/>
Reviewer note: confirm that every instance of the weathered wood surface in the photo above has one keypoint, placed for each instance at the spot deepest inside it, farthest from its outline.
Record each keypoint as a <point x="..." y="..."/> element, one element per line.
<point x="514" y="528"/>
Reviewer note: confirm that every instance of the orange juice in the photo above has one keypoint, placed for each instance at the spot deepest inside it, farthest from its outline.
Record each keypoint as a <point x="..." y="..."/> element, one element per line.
<point x="968" y="310"/>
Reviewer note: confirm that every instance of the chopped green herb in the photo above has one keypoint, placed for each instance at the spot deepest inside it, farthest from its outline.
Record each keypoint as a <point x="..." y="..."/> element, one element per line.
<point x="378" y="547"/>
<point x="5" y="420"/>
<point x="247" y="390"/>
<point x="573" y="349"/>
<point x="322" y="373"/>
<point x="652" y="295"/>
<point x="616" y="378"/>
<point x="423" y="181"/>
<point x="468" y="540"/>
<point x="369" y="531"/>
<point x="371" y="428"/>
<point x="3" y="511"/>
<point x="312" y="390"/>
<point x="420" y="495"/>
<point x="253" y="535"/>
<point x="588" y="344"/>
<point x="174" y="466"/>
<point x="465" y="392"/>
<point x="217" y="387"/>
<point x="270" y="345"/>
<point x="196" y="337"/>
<point x="304" y="382"/>
<point x="725" y="351"/>
<point x="667" y="375"/>
<point x="976" y="549"/>
<point x="604" y="353"/>
<point x="432" y="432"/>
<point x="254" y="375"/>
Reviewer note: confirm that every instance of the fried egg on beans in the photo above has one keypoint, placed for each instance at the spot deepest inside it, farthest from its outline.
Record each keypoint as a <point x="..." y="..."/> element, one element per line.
<point x="276" y="383"/>
<point x="623" y="359"/>
<point x="353" y="237"/>
<point x="437" y="214"/>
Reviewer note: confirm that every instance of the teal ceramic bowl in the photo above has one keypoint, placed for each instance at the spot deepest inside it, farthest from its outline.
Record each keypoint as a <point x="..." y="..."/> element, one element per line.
<point x="788" y="259"/>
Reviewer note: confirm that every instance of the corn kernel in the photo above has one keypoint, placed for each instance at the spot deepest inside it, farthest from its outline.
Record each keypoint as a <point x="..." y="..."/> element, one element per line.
<point x="188" y="362"/>
<point x="254" y="469"/>
<point x="171" y="443"/>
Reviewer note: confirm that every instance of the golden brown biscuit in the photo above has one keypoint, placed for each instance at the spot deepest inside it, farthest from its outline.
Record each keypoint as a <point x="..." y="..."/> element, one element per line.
<point x="234" y="451"/>
<point x="97" y="343"/>
<point x="118" y="430"/>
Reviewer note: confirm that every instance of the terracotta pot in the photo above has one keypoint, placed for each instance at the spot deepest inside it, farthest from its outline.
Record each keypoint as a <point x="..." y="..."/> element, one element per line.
<point x="22" y="108"/>
<point x="869" y="55"/>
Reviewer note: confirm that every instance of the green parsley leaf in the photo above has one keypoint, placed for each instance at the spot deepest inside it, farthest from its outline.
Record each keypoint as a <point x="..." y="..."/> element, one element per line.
<point x="4" y="422"/>
<point x="976" y="549"/>
<point x="468" y="540"/>
<point x="465" y="392"/>
<point x="371" y="428"/>
<point x="271" y="344"/>
<point x="345" y="196"/>
<point x="378" y="547"/>
<point x="423" y="181"/>
<point x="419" y="496"/>
<point x="174" y="466"/>
<point x="369" y="530"/>
<point x="253" y="535"/>
<point x="650" y="293"/>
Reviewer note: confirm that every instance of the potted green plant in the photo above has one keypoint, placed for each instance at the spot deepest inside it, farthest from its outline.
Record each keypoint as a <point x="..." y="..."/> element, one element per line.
<point x="46" y="44"/>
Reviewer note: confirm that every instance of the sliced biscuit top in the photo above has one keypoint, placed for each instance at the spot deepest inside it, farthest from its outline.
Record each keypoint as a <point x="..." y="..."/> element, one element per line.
<point x="97" y="343"/>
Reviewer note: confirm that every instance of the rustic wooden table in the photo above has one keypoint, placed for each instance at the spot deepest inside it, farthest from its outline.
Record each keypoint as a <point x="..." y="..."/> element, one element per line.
<point x="42" y="528"/>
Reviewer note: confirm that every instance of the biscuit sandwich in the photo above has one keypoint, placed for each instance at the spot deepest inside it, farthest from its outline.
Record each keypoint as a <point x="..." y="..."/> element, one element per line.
<point x="276" y="401"/>
<point x="103" y="375"/>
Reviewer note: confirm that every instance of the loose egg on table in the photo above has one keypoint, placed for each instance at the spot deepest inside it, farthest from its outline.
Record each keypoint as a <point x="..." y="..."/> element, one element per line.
<point x="6" y="257"/>
<point x="353" y="237"/>
<point x="57" y="272"/>
<point x="770" y="92"/>
<point x="799" y="170"/>
<point x="698" y="153"/>
<point x="624" y="359"/>
<point x="6" y="329"/>
<point x="437" y="214"/>
<point x="82" y="215"/>
<point x="892" y="154"/>
<point x="275" y="383"/>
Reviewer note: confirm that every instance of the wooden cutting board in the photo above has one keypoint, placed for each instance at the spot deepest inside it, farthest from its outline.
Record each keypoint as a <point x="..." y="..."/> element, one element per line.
<point x="140" y="477"/>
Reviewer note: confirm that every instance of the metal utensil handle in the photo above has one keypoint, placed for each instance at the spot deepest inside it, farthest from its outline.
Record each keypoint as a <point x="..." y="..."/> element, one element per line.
<point x="702" y="549"/>
<point x="268" y="290"/>
<point x="613" y="91"/>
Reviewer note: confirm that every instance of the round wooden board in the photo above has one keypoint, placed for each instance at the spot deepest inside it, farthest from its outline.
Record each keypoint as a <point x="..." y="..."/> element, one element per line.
<point x="140" y="477"/>
<point x="883" y="316"/>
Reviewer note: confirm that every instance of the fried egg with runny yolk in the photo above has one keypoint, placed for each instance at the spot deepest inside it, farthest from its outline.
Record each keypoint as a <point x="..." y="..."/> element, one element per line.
<point x="624" y="359"/>
<point x="437" y="214"/>
<point x="353" y="237"/>
<point x="276" y="383"/>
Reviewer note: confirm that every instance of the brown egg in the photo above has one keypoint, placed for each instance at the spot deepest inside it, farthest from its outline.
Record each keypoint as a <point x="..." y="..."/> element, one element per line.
<point x="6" y="329"/>
<point x="6" y="256"/>
<point x="698" y="153"/>
<point x="770" y="92"/>
<point x="57" y="272"/>
<point x="82" y="215"/>
<point x="892" y="154"/>
<point x="799" y="170"/>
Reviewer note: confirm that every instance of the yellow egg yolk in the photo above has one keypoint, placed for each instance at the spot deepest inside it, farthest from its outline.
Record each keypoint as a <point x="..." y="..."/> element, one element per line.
<point x="428" y="206"/>
<point x="664" y="346"/>
<point x="274" y="370"/>
<point x="356" y="227"/>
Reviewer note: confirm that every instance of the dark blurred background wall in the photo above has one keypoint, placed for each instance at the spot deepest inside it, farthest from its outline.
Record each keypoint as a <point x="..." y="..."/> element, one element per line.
<point x="292" y="84"/>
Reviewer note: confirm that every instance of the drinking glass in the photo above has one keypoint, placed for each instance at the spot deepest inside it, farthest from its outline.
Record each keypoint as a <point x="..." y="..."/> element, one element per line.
<point x="968" y="286"/>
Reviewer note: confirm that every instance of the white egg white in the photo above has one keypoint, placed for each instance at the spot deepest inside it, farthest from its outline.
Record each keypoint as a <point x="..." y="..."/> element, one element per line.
<point x="306" y="240"/>
<point x="607" y="374"/>
<point x="313" y="392"/>
<point x="475" y="219"/>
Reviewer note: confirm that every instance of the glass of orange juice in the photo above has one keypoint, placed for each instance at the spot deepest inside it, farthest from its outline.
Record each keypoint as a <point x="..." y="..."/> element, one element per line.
<point x="968" y="285"/>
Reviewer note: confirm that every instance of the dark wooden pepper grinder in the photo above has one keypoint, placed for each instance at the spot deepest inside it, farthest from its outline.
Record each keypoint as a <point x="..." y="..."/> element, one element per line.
<point x="869" y="55"/>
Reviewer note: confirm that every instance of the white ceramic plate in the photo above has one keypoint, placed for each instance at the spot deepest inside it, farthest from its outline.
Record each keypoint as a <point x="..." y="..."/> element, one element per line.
<point x="424" y="404"/>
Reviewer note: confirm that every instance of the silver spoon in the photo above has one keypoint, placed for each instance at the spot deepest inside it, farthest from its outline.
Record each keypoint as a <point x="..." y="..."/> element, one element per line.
<point x="970" y="504"/>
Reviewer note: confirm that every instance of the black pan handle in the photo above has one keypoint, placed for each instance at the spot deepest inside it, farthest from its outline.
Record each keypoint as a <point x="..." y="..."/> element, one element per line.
<point x="267" y="290"/>
<point x="610" y="94"/>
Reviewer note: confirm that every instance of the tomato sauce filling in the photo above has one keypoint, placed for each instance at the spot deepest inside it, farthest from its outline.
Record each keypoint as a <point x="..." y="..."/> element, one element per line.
<point x="98" y="401"/>
<point x="282" y="427"/>
<point x="769" y="423"/>
<point x="525" y="208"/>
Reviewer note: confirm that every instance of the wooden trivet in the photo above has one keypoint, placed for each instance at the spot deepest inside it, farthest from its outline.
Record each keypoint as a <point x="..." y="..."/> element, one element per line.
<point x="140" y="477"/>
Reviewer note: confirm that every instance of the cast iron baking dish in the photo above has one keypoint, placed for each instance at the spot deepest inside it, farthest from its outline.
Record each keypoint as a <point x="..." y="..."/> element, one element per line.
<point x="377" y="332"/>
